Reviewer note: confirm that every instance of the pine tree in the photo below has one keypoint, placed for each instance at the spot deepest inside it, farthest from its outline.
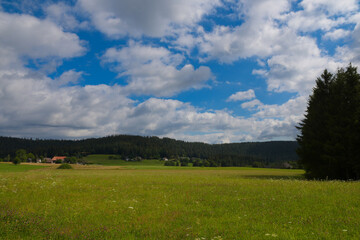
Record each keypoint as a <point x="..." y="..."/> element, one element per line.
<point x="329" y="134"/>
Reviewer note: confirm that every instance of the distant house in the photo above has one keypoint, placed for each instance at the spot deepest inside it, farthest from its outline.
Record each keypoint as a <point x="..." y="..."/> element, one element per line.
<point x="54" y="159"/>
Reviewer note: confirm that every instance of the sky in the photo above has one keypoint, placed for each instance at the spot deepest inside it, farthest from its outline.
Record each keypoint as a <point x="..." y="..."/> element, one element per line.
<point x="214" y="71"/>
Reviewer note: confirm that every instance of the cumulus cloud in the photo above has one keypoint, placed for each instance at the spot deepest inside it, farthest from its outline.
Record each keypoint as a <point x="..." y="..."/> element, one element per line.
<point x="251" y="104"/>
<point x="240" y="96"/>
<point x="281" y="119"/>
<point x="155" y="70"/>
<point x="66" y="16"/>
<point x="141" y="17"/>
<point x="286" y="43"/>
<point x="282" y="37"/>
<point x="296" y="70"/>
<point x="25" y="35"/>
<point x="76" y="112"/>
<point x="322" y="15"/>
<point x="51" y="111"/>
<point x="258" y="35"/>
<point x="351" y="52"/>
<point x="332" y="6"/>
<point x="69" y="77"/>
<point x="337" y="34"/>
<point x="294" y="107"/>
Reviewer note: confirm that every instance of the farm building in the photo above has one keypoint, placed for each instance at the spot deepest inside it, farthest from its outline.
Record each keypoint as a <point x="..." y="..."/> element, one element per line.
<point x="54" y="159"/>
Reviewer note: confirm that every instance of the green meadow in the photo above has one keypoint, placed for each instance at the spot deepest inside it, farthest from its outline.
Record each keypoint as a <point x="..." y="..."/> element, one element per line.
<point x="6" y="167"/>
<point x="126" y="202"/>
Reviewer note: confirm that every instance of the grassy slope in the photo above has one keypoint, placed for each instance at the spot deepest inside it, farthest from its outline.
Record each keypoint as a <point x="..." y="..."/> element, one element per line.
<point x="237" y="203"/>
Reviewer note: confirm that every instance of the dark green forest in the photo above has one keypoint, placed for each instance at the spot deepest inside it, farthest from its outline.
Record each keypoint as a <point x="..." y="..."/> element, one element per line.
<point x="260" y="154"/>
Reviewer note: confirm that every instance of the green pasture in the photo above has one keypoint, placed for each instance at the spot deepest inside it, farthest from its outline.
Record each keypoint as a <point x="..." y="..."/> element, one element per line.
<point x="9" y="167"/>
<point x="176" y="203"/>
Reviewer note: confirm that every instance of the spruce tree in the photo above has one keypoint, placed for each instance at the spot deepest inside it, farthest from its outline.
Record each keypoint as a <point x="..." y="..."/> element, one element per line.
<point x="329" y="134"/>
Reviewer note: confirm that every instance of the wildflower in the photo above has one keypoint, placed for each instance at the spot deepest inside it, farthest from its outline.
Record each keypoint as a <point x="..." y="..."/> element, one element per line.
<point x="344" y="230"/>
<point x="131" y="207"/>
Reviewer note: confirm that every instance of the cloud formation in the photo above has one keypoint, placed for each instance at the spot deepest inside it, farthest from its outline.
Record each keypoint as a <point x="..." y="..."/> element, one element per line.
<point x="25" y="35"/>
<point x="240" y="96"/>
<point x="163" y="49"/>
<point x="155" y="18"/>
<point x="155" y="70"/>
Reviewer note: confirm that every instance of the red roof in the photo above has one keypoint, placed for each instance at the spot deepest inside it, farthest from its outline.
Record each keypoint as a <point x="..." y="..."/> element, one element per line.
<point x="58" y="158"/>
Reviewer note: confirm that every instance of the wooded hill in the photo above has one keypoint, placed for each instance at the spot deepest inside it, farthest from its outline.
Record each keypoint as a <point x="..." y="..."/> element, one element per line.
<point x="269" y="154"/>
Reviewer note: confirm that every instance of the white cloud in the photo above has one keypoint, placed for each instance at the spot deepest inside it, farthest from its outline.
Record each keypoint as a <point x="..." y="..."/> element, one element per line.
<point x="289" y="52"/>
<point x="332" y="6"/>
<point x="240" y="96"/>
<point x="66" y="16"/>
<point x="251" y="104"/>
<point x="351" y="52"/>
<point x="259" y="34"/>
<point x="77" y="112"/>
<point x="70" y="76"/>
<point x="281" y="119"/>
<point x="322" y="15"/>
<point x="294" y="108"/>
<point x="296" y="70"/>
<point x="274" y="32"/>
<point x="311" y="21"/>
<point x="51" y="111"/>
<point x="155" y="70"/>
<point x="152" y="18"/>
<point x="337" y="34"/>
<point x="25" y="35"/>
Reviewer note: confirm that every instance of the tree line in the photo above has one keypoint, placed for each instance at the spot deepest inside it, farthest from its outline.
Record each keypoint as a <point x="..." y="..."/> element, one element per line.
<point x="266" y="154"/>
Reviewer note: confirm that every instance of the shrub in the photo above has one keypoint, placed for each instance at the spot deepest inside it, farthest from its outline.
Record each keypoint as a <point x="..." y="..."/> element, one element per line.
<point x="16" y="161"/>
<point x="65" y="166"/>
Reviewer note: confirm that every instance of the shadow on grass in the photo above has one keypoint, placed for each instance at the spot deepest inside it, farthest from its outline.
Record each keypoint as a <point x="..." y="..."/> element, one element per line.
<point x="276" y="177"/>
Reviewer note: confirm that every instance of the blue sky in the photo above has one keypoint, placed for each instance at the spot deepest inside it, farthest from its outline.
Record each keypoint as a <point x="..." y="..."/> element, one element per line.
<point x="197" y="70"/>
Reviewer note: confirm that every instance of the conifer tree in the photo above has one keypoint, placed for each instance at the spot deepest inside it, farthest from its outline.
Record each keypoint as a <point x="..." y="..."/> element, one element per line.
<point x="329" y="134"/>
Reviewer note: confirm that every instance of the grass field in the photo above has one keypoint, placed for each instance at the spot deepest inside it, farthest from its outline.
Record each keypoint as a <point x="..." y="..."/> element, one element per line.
<point x="8" y="167"/>
<point x="175" y="203"/>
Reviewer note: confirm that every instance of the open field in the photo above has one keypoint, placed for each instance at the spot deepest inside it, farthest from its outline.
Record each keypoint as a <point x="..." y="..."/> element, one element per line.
<point x="175" y="203"/>
<point x="8" y="167"/>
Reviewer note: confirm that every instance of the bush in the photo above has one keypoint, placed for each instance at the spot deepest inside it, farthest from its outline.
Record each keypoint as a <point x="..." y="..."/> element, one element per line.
<point x="16" y="161"/>
<point x="65" y="166"/>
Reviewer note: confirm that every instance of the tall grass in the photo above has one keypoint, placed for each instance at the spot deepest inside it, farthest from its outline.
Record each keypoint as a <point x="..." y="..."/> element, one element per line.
<point x="237" y="203"/>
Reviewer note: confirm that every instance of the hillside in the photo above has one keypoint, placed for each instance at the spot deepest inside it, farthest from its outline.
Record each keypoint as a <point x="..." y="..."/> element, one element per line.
<point x="234" y="154"/>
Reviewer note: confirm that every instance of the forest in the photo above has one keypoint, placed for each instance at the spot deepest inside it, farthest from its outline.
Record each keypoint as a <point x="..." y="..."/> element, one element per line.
<point x="259" y="154"/>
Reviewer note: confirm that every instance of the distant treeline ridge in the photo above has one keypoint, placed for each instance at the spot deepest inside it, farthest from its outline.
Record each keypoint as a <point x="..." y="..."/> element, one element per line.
<point x="267" y="154"/>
